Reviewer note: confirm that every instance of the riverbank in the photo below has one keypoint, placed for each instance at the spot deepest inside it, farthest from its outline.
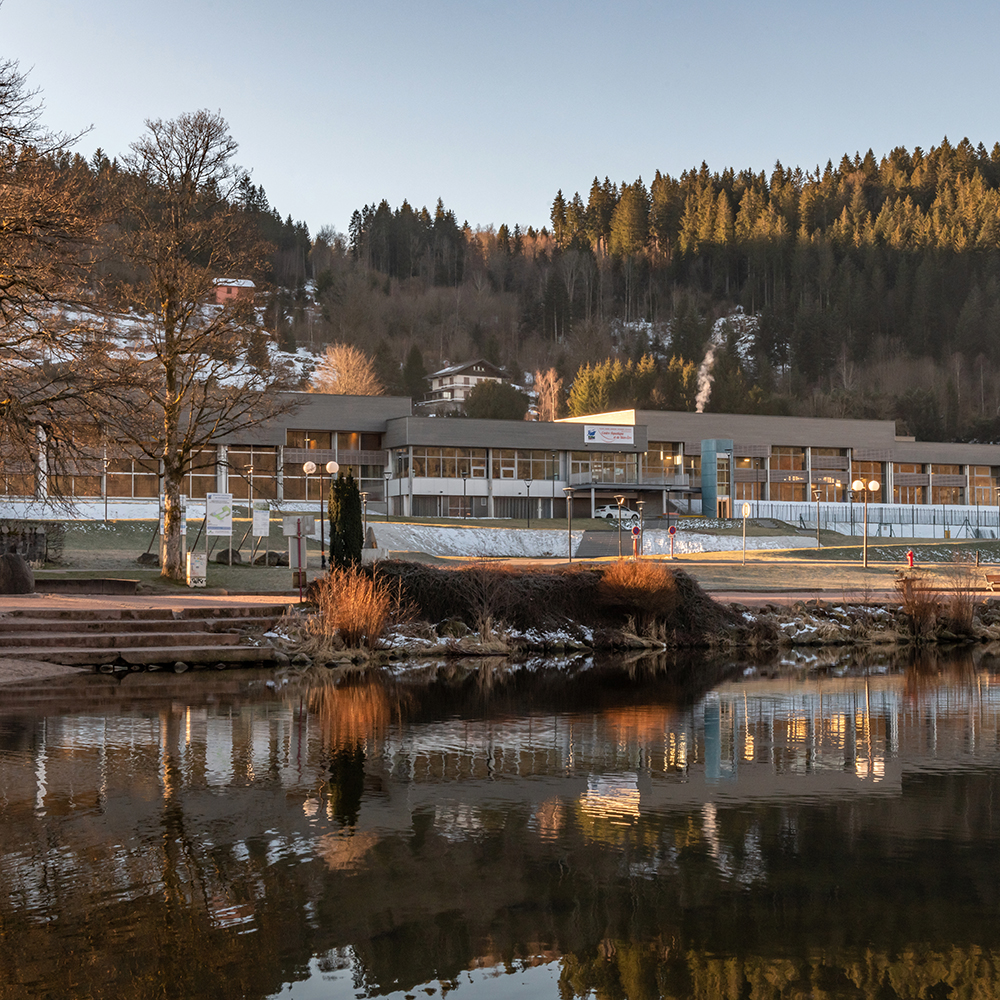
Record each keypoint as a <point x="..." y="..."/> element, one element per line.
<point x="492" y="610"/>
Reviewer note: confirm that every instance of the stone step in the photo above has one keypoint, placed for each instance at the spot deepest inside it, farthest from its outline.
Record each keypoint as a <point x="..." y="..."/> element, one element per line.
<point x="148" y="614"/>
<point x="14" y="626"/>
<point x="117" y="640"/>
<point x="141" y="656"/>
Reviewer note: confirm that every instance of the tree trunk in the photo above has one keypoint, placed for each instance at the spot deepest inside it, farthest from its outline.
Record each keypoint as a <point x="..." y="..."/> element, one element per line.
<point x="171" y="557"/>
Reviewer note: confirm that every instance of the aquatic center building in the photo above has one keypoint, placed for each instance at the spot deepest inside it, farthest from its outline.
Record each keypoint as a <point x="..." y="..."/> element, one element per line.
<point x="793" y="468"/>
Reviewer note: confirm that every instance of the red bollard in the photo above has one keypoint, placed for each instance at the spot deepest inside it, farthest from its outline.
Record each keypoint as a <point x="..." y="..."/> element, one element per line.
<point x="909" y="558"/>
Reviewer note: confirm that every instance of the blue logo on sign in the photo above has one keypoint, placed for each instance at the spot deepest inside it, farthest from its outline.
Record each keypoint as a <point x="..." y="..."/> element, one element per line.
<point x="591" y="434"/>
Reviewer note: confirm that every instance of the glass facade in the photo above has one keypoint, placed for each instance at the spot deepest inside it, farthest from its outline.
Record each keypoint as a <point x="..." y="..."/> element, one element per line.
<point x="866" y="472"/>
<point x="449" y="463"/>
<point x="946" y="493"/>
<point x="252" y="465"/>
<point x="662" y="462"/>
<point x="983" y="484"/>
<point x="511" y="464"/>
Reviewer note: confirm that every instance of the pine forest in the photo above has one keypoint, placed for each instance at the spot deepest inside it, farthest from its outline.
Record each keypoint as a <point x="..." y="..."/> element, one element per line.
<point x="868" y="288"/>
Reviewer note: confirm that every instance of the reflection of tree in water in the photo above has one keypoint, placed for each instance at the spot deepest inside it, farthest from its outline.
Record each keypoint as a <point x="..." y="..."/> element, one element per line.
<point x="347" y="783"/>
<point x="354" y="713"/>
<point x="857" y="896"/>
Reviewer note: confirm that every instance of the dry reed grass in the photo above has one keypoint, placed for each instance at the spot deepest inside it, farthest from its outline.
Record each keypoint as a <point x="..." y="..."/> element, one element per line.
<point x="919" y="603"/>
<point x="644" y="591"/>
<point x="354" y="605"/>
<point x="960" y="603"/>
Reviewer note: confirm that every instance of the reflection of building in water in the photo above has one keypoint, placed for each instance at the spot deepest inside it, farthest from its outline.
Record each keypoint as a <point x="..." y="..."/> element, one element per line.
<point x="754" y="741"/>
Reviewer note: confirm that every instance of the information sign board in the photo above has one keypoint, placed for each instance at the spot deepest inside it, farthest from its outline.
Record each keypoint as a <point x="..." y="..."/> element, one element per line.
<point x="220" y="514"/>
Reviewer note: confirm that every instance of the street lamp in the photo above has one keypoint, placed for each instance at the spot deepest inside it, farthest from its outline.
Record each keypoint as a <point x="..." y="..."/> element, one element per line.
<point x="860" y="486"/>
<point x="364" y="511"/>
<point x="619" y="499"/>
<point x="465" y="496"/>
<point x="385" y="493"/>
<point x="309" y="468"/>
<point x="568" y="490"/>
<point x="527" y="493"/>
<point x="333" y="468"/>
<point x="642" y="524"/>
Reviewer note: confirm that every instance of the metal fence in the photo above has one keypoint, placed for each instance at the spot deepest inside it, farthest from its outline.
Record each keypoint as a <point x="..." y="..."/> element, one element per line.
<point x="885" y="520"/>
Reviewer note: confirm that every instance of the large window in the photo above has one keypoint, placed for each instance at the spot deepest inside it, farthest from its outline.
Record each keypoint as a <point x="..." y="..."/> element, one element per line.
<point x="449" y="463"/>
<point x="788" y="458"/>
<point x="944" y="488"/>
<point x="308" y="439"/>
<point x="604" y="466"/>
<point x="983" y="484"/>
<point x="17" y="479"/>
<point x="249" y="466"/>
<point x="866" y="472"/>
<point x="511" y="464"/>
<point x="788" y="473"/>
<point x="133" y="477"/>
<point x="662" y="461"/>
<point x="904" y="492"/>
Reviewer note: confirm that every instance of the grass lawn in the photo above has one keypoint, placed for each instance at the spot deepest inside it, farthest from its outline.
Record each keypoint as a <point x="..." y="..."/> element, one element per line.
<point x="95" y="549"/>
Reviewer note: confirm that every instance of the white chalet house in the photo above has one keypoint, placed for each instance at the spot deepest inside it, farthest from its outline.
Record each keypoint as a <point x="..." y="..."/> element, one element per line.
<point x="450" y="387"/>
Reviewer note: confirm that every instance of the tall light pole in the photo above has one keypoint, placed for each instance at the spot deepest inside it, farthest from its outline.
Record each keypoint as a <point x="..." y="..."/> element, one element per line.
<point x="568" y="490"/>
<point x="860" y="486"/>
<point x="364" y="511"/>
<point x="619" y="499"/>
<point x="642" y="524"/>
<point x="385" y="493"/>
<point x="527" y="493"/>
<point x="309" y="468"/>
<point x="465" y="496"/>
<point x="333" y="468"/>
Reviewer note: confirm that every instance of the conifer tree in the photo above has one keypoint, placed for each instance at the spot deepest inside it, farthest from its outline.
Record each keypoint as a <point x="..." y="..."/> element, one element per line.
<point x="346" y="523"/>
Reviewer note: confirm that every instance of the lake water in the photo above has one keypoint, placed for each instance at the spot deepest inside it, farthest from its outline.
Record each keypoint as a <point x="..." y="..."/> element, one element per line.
<point x="602" y="830"/>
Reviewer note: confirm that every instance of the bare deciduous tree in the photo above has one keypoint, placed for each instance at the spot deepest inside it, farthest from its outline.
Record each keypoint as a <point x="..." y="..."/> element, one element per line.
<point x="51" y="370"/>
<point x="549" y="389"/>
<point x="346" y="371"/>
<point x="202" y="370"/>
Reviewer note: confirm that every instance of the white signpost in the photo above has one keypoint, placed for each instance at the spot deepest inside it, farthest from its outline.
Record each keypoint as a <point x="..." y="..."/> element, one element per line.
<point x="261" y="519"/>
<point x="746" y="514"/>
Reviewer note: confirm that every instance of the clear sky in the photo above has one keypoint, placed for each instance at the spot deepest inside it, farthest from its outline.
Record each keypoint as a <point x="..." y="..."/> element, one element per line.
<point x="494" y="106"/>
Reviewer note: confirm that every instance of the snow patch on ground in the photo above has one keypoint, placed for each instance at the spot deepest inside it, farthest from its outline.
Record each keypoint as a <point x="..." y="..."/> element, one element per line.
<point x="537" y="543"/>
<point x="658" y="542"/>
<point x="443" y="540"/>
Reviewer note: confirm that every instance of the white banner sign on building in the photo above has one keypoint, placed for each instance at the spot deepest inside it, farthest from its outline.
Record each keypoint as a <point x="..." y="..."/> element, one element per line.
<point x="220" y="514"/>
<point x="608" y="434"/>
<point x="261" y="519"/>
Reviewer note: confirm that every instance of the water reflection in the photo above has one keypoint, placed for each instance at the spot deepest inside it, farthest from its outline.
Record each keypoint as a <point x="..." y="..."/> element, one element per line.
<point x="603" y="829"/>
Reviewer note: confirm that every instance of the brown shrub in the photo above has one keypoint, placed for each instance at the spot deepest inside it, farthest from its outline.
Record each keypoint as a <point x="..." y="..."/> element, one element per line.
<point x="488" y="593"/>
<point x="960" y="604"/>
<point x="642" y="590"/>
<point x="354" y="605"/>
<point x="919" y="604"/>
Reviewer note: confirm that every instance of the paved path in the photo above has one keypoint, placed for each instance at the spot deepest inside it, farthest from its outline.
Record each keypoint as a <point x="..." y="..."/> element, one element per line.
<point x="176" y="602"/>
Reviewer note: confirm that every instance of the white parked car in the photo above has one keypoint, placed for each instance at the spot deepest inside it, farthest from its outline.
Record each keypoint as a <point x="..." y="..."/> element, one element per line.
<point x="610" y="512"/>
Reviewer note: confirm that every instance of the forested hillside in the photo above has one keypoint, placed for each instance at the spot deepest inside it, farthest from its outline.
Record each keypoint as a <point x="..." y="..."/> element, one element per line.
<point x="869" y="288"/>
